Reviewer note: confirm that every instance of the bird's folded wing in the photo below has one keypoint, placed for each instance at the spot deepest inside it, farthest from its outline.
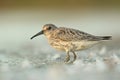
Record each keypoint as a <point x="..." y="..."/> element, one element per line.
<point x="68" y="34"/>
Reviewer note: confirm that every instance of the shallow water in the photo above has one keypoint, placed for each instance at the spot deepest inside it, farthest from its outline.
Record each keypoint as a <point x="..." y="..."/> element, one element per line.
<point x="32" y="64"/>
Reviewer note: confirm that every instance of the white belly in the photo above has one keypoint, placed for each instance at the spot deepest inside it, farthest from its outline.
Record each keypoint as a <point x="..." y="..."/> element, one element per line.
<point x="72" y="46"/>
<point x="83" y="45"/>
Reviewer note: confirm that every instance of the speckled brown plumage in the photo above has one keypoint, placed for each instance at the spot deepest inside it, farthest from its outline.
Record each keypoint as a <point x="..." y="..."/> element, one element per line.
<point x="69" y="40"/>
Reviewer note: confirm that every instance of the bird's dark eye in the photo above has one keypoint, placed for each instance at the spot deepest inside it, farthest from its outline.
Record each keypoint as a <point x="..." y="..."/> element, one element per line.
<point x="49" y="28"/>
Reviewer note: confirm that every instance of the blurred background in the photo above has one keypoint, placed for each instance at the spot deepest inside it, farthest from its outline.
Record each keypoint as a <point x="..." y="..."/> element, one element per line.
<point x="21" y="19"/>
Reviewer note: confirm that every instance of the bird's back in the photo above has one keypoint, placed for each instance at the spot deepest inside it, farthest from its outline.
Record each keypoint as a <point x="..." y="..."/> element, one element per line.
<point x="69" y="34"/>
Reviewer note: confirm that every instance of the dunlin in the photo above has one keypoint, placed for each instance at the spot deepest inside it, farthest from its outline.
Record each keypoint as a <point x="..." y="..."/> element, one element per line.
<point x="69" y="40"/>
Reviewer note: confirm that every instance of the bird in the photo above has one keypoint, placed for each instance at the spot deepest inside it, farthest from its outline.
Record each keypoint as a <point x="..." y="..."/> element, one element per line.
<point x="69" y="39"/>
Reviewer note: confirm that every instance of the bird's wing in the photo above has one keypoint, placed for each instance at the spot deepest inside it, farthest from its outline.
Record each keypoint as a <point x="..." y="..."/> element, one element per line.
<point x="69" y="34"/>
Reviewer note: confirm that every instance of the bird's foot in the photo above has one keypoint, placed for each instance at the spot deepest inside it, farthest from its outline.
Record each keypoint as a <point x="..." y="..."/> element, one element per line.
<point x="67" y="59"/>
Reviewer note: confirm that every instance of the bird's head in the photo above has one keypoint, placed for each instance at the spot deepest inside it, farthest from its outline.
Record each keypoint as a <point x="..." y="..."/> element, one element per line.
<point x="47" y="29"/>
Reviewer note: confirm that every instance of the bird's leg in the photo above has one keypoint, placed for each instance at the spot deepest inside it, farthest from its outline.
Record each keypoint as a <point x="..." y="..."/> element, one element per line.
<point x="74" y="56"/>
<point x="67" y="57"/>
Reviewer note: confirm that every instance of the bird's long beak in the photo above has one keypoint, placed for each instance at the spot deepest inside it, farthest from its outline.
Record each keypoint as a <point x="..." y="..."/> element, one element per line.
<point x="39" y="33"/>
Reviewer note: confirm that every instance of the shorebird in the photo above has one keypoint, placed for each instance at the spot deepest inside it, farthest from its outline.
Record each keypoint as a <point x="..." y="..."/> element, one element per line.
<point x="69" y="40"/>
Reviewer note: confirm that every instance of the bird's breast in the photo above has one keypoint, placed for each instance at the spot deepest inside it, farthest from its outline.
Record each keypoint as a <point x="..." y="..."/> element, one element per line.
<point x="57" y="44"/>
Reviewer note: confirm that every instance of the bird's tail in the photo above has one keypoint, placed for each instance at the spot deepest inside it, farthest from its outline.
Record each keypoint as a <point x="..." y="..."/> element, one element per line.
<point x="106" y="37"/>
